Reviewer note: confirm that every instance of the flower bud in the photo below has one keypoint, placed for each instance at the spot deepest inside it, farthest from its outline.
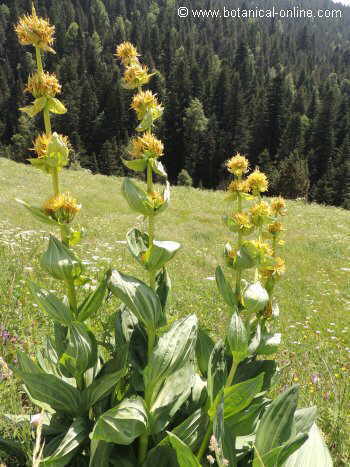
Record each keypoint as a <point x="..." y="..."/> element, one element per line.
<point x="127" y="53"/>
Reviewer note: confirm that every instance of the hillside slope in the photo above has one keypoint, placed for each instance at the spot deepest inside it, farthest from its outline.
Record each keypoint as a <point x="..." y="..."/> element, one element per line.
<point x="314" y="295"/>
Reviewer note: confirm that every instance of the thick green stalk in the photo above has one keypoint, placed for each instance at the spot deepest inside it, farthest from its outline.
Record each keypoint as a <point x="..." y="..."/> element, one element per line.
<point x="239" y="244"/>
<point x="150" y="221"/>
<point x="231" y="374"/>
<point x="72" y="296"/>
<point x="205" y="442"/>
<point x="39" y="62"/>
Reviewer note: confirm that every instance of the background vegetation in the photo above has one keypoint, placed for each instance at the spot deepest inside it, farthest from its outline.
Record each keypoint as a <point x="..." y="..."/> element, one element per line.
<point x="276" y="90"/>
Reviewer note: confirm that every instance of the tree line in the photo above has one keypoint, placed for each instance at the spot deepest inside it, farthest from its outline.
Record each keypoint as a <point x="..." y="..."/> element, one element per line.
<point x="277" y="91"/>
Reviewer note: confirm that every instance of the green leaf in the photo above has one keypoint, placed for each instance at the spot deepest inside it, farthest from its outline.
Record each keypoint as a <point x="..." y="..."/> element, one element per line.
<point x="136" y="198"/>
<point x="146" y="123"/>
<point x="158" y="167"/>
<point x="93" y="301"/>
<point x="70" y="444"/>
<point x="55" y="106"/>
<point x="37" y="106"/>
<point x="124" y="423"/>
<point x="276" y="425"/>
<point x="269" y="343"/>
<point x="185" y="456"/>
<point x="217" y="370"/>
<point x="245" y="422"/>
<point x="60" y="261"/>
<point x="159" y="254"/>
<point x="81" y="351"/>
<point x="163" y="288"/>
<point x="219" y="432"/>
<point x="27" y="365"/>
<point x="173" y="351"/>
<point x="313" y="452"/>
<point x="192" y="430"/>
<point x="100" y="453"/>
<point x="56" y="309"/>
<point x="238" y="396"/>
<point x="225" y="289"/>
<point x="304" y="419"/>
<point x="237" y="337"/>
<point x="138" y="165"/>
<point x="138" y="297"/>
<point x="176" y="389"/>
<point x="101" y="387"/>
<point x="54" y="392"/>
<point x="250" y="368"/>
<point x="244" y="260"/>
<point x="38" y="213"/>
<point x="255" y="298"/>
<point x="204" y="348"/>
<point x="13" y="449"/>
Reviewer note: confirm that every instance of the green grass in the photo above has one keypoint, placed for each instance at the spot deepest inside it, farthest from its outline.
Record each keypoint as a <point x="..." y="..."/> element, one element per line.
<point x="314" y="295"/>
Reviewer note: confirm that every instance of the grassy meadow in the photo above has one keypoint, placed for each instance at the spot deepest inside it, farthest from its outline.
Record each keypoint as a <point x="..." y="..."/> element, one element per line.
<point x="314" y="295"/>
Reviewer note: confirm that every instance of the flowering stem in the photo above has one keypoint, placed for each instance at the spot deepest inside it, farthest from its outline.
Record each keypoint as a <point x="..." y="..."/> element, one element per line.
<point x="39" y="62"/>
<point x="231" y="374"/>
<point x="205" y="442"/>
<point x="239" y="244"/>
<point x="150" y="221"/>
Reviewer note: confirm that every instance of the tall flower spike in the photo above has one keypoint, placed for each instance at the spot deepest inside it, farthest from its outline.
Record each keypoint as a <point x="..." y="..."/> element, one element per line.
<point x="32" y="30"/>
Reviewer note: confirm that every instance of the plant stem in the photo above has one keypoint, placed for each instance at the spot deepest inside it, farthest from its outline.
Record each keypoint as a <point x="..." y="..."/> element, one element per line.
<point x="39" y="62"/>
<point x="231" y="374"/>
<point x="143" y="447"/>
<point x="72" y="296"/>
<point x="239" y="244"/>
<point x="205" y="441"/>
<point x="150" y="222"/>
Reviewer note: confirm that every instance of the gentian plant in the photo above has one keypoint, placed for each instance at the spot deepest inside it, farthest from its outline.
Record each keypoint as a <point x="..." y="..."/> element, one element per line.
<point x="163" y="393"/>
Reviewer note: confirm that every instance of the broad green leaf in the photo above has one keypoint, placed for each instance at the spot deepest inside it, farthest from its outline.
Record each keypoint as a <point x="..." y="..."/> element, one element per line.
<point x="136" y="198"/>
<point x="255" y="298"/>
<point x="137" y="243"/>
<point x="237" y="337"/>
<point x="93" y="302"/>
<point x="238" y="396"/>
<point x="304" y="419"/>
<point x="245" y="422"/>
<point x="61" y="262"/>
<point x="55" y="106"/>
<point x="244" y="260"/>
<point x="192" y="430"/>
<point x="176" y="389"/>
<point x="276" y="425"/>
<point x="269" y="343"/>
<point x="225" y="289"/>
<point x="138" y="297"/>
<point x="185" y="456"/>
<point x="101" y="387"/>
<point x="70" y="444"/>
<point x="146" y="123"/>
<point x="313" y="452"/>
<point x="52" y="391"/>
<point x="217" y="370"/>
<point x="100" y="453"/>
<point x="27" y="365"/>
<point x="278" y="455"/>
<point x="173" y="351"/>
<point x="13" y="449"/>
<point x="38" y="213"/>
<point x="56" y="309"/>
<point x="163" y="288"/>
<point x="81" y="351"/>
<point x="124" y="423"/>
<point x="159" y="254"/>
<point x="250" y="368"/>
<point x="158" y="167"/>
<point x="162" y="455"/>
<point x="138" y="165"/>
<point x="204" y="348"/>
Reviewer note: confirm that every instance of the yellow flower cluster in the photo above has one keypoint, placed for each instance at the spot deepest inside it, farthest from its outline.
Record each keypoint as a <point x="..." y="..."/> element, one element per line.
<point x="146" y="102"/>
<point x="135" y="74"/>
<point x="274" y="271"/>
<point x="237" y="165"/>
<point x="275" y="228"/>
<point x="62" y="207"/>
<point x="43" y="84"/>
<point x="32" y="30"/>
<point x="260" y="212"/>
<point x="278" y="207"/>
<point x="258" y="182"/>
<point x="243" y="222"/>
<point x="42" y="142"/>
<point x="156" y="199"/>
<point x="146" y="145"/>
<point x="127" y="53"/>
